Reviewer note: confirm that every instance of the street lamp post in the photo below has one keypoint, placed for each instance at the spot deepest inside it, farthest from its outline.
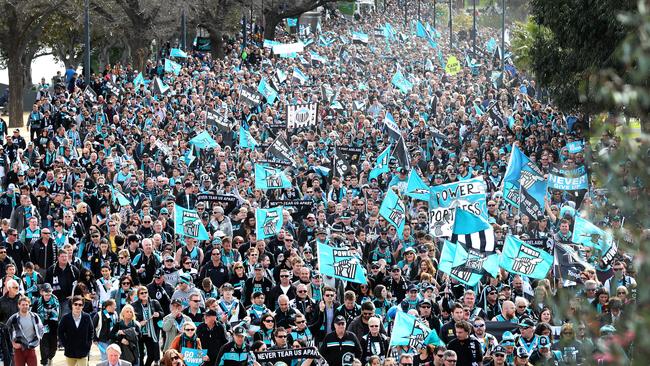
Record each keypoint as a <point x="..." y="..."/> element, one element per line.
<point x="434" y="14"/>
<point x="418" y="10"/>
<point x="87" y="41"/>
<point x="474" y="29"/>
<point x="503" y="37"/>
<point x="451" y="28"/>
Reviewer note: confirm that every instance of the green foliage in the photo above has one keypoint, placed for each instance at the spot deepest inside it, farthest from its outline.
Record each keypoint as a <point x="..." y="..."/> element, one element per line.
<point x="523" y="39"/>
<point x="462" y="21"/>
<point x="629" y="90"/>
<point x="583" y="37"/>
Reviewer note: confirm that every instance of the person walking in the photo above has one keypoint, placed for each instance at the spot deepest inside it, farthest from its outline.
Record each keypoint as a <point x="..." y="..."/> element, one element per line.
<point x="76" y="334"/>
<point x="26" y="330"/>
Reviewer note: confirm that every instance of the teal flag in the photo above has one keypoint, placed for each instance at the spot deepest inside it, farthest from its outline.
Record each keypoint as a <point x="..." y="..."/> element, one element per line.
<point x="420" y="31"/>
<point x="575" y="147"/>
<point x="587" y="234"/>
<point x="267" y="91"/>
<point x="177" y="52"/>
<point x="292" y="22"/>
<point x="341" y="263"/>
<point x="246" y="140"/>
<point x="267" y="177"/>
<point x="381" y="165"/>
<point x="520" y="258"/>
<point x="119" y="198"/>
<point x="138" y="80"/>
<point x="412" y="332"/>
<point x="203" y="141"/>
<point x="188" y="158"/>
<point x="188" y="223"/>
<point x="393" y="210"/>
<point x="524" y="185"/>
<point x="401" y="82"/>
<point x="416" y="188"/>
<point x="447" y="256"/>
<point x="268" y="222"/>
<point x="469" y="266"/>
<point x="173" y="67"/>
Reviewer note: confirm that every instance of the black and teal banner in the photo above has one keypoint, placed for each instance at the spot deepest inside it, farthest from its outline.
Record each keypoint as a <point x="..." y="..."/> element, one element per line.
<point x="287" y="354"/>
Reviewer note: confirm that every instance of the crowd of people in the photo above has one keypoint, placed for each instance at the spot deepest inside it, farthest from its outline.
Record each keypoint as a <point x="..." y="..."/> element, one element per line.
<point x="91" y="255"/>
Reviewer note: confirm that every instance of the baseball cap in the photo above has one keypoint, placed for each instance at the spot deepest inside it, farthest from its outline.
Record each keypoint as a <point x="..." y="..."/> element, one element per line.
<point x="499" y="349"/>
<point x="185" y="278"/>
<point x="526" y="322"/>
<point x="159" y="273"/>
<point x="239" y="330"/>
<point x="521" y="352"/>
<point x="227" y="286"/>
<point x="164" y="211"/>
<point x="46" y="287"/>
<point x="339" y="319"/>
<point x="257" y="266"/>
<point x="425" y="302"/>
<point x="544" y="342"/>
<point x="177" y="302"/>
<point x="210" y="312"/>
<point x="412" y="287"/>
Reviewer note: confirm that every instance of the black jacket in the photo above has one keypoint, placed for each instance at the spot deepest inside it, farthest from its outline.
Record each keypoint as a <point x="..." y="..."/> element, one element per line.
<point x="155" y="307"/>
<point x="62" y="280"/>
<point x="335" y="349"/>
<point x="6" y="348"/>
<point x="76" y="340"/>
<point x="43" y="255"/>
<point x="212" y="340"/>
<point x="8" y="307"/>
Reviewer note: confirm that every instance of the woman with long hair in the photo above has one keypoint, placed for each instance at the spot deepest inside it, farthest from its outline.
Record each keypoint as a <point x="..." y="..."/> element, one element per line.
<point x="126" y="334"/>
<point x="265" y="334"/>
<point x="238" y="278"/>
<point x="172" y="357"/>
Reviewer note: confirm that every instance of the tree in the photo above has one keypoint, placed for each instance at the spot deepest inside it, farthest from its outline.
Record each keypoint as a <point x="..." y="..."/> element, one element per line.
<point x="276" y="11"/>
<point x="141" y="21"/>
<point x="218" y="18"/>
<point x="21" y="26"/>
<point x="523" y="39"/>
<point x="582" y="39"/>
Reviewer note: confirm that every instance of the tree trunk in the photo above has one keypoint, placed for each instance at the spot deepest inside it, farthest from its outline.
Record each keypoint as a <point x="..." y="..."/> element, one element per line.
<point x="16" y="87"/>
<point x="26" y="61"/>
<point x="216" y="43"/>
<point x="271" y="20"/>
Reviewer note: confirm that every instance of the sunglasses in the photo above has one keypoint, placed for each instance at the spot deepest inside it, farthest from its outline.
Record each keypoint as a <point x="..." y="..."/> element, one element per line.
<point x="78" y="304"/>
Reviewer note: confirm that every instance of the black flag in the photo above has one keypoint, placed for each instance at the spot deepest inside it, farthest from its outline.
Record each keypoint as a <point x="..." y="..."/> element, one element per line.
<point x="402" y="154"/>
<point x="279" y="149"/>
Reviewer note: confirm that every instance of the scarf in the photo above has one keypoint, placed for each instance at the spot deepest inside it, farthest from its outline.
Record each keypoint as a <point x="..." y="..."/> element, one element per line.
<point x="189" y="342"/>
<point x="147" y="329"/>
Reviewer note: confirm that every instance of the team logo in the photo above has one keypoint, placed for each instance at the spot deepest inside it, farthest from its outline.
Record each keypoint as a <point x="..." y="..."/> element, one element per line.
<point x="526" y="265"/>
<point x="345" y="263"/>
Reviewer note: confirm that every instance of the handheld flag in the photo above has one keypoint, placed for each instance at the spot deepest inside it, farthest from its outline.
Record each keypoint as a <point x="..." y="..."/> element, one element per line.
<point x="173" y="67"/>
<point x="381" y="165"/>
<point x="119" y="197"/>
<point x="299" y="76"/>
<point x="412" y="332"/>
<point x="524" y="176"/>
<point x="402" y="154"/>
<point x="246" y="140"/>
<point x="394" y="131"/>
<point x="188" y="223"/>
<point x="177" y="52"/>
<point x="267" y="177"/>
<point x="138" y="80"/>
<point x="568" y="264"/>
<point x="90" y="94"/>
<point x="268" y="222"/>
<point x="282" y="76"/>
<point x="587" y="234"/>
<point x="473" y="231"/>
<point x="523" y="259"/>
<point x="159" y="87"/>
<point x="401" y="82"/>
<point x="467" y="267"/>
<point x="341" y="263"/>
<point x="393" y="210"/>
<point x="203" y="141"/>
<point x="416" y="188"/>
<point x="267" y="91"/>
<point x="188" y="158"/>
